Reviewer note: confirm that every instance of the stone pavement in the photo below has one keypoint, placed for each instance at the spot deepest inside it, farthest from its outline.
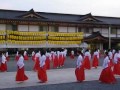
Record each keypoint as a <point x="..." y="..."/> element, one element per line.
<point x="55" y="76"/>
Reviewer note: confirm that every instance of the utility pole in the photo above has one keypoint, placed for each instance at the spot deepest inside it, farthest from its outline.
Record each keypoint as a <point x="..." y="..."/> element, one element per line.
<point x="109" y="35"/>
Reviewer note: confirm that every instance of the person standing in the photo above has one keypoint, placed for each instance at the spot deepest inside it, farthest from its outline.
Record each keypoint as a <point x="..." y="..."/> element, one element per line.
<point x="25" y="55"/>
<point x="72" y="54"/>
<point x="20" y="75"/>
<point x="55" y="61"/>
<point x="33" y="55"/>
<point x="86" y="60"/>
<point x="17" y="56"/>
<point x="116" y="68"/>
<point x="111" y="57"/>
<point x="37" y="61"/>
<point x="79" y="71"/>
<point x="3" y="67"/>
<point x="48" y="59"/>
<point x="7" y="56"/>
<point x="42" y="75"/>
<point x="95" y="58"/>
<point x="107" y="75"/>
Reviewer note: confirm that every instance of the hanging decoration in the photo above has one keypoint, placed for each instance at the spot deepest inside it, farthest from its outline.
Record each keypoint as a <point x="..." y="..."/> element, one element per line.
<point x="37" y="38"/>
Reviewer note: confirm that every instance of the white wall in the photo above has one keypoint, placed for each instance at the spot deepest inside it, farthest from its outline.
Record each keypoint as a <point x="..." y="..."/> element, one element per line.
<point x="22" y="27"/>
<point x="96" y="29"/>
<point x="62" y="29"/>
<point x="49" y="28"/>
<point x="71" y="29"/>
<point x="2" y="27"/>
<point x="104" y="32"/>
<point x="34" y="28"/>
<point x="118" y="31"/>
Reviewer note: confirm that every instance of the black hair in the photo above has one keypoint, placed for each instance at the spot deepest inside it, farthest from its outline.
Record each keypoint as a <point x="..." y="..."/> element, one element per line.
<point x="43" y="52"/>
<point x="21" y="52"/>
<point x="79" y="52"/>
<point x="106" y="53"/>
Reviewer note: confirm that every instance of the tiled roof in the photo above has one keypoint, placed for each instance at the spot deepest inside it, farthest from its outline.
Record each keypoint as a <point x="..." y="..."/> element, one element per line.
<point x="57" y="17"/>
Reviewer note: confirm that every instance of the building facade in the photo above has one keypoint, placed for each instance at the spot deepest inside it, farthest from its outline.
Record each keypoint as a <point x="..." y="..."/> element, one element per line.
<point x="31" y="21"/>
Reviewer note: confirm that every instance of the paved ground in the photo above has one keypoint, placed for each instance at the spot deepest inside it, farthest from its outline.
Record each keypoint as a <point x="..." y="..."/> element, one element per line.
<point x="58" y="79"/>
<point x="29" y="64"/>
<point x="88" y="85"/>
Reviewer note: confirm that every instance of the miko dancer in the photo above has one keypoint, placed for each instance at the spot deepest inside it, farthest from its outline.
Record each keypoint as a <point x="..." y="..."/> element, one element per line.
<point x="55" y="61"/>
<point x="86" y="60"/>
<point x="17" y="56"/>
<point x="48" y="59"/>
<point x="111" y="57"/>
<point x="33" y="55"/>
<point x="79" y="71"/>
<point x="7" y="56"/>
<point x="20" y="76"/>
<point x="42" y="75"/>
<point x="95" y="59"/>
<point x="116" y="68"/>
<point x="25" y="55"/>
<point x="72" y="54"/>
<point x="3" y="67"/>
<point x="107" y="75"/>
<point x="37" y="61"/>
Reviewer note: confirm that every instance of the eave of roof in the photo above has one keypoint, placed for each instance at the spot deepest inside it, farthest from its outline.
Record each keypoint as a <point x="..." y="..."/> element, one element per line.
<point x="70" y="18"/>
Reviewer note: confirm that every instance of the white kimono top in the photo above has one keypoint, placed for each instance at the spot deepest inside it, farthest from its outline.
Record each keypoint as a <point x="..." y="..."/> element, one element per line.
<point x="20" y="62"/>
<point x="42" y="60"/>
<point x="3" y="59"/>
<point x="106" y="62"/>
<point x="79" y="61"/>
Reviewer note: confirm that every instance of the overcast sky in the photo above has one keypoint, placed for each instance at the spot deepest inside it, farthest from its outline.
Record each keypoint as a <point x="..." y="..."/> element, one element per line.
<point x="96" y="7"/>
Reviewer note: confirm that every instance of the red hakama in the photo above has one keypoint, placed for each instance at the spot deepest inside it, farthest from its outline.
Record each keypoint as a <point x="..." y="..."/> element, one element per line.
<point x="80" y="74"/>
<point x="111" y="63"/>
<point x="63" y="60"/>
<point x="72" y="56"/>
<point x="107" y="76"/>
<point x="55" y="62"/>
<point x="3" y="67"/>
<point x="116" y="69"/>
<point x="33" y="57"/>
<point x="47" y="63"/>
<point x="7" y="58"/>
<point x="36" y="66"/>
<point x="60" y="60"/>
<point x="20" y="76"/>
<point x="17" y="57"/>
<point x="95" y="61"/>
<point x="86" y="62"/>
<point x="26" y="57"/>
<point x="42" y="75"/>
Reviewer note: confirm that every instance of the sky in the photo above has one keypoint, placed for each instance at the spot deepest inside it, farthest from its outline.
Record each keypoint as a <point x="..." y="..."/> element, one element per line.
<point x="109" y="8"/>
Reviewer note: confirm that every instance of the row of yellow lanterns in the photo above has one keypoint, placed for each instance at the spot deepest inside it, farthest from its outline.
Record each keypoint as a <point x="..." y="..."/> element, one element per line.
<point x="64" y="42"/>
<point x="39" y="42"/>
<point x="2" y="32"/>
<point x="26" y="42"/>
<point x="2" y="37"/>
<point x="26" y="38"/>
<point x="65" y="34"/>
<point x="2" y="42"/>
<point x="65" y="38"/>
<point x="26" y="33"/>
